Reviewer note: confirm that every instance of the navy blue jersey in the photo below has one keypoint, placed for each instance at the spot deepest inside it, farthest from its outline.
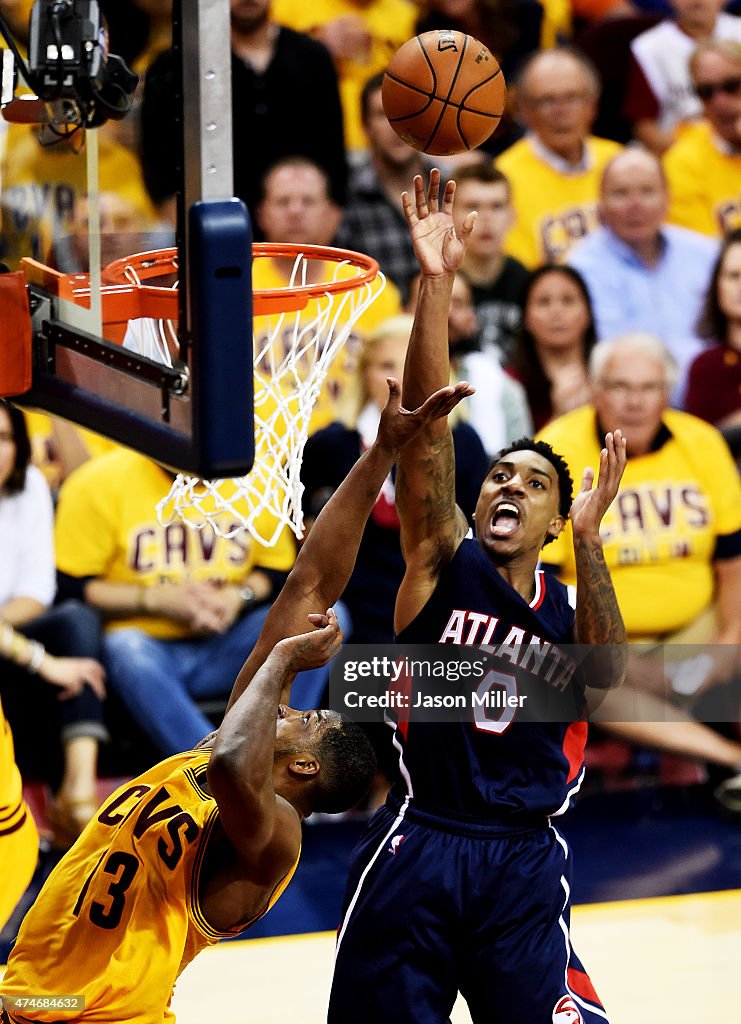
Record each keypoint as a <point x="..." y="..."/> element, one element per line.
<point x="488" y="768"/>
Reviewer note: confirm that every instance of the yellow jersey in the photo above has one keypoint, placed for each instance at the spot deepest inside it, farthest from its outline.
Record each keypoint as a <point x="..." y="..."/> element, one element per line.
<point x="552" y="210"/>
<point x="120" y="916"/>
<point x="19" y="840"/>
<point x="704" y="182"/>
<point x="107" y="527"/>
<point x="660" y="534"/>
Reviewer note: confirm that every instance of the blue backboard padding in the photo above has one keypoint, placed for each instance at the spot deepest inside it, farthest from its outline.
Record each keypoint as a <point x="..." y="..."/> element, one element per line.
<point x="220" y="296"/>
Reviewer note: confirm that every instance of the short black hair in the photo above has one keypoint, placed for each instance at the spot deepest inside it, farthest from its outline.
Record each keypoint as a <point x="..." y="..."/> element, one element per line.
<point x="347" y="767"/>
<point x="17" y="479"/>
<point x="565" y="481"/>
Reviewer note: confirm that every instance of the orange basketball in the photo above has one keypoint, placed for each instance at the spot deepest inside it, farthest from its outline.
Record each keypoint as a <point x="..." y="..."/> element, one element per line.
<point x="443" y="92"/>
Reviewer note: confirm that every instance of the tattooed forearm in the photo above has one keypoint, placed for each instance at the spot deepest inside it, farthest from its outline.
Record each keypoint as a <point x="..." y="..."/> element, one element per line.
<point x="598" y="618"/>
<point x="425" y="497"/>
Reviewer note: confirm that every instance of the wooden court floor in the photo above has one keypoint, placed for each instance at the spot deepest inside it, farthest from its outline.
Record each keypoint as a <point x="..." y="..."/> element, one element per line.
<point x="674" y="960"/>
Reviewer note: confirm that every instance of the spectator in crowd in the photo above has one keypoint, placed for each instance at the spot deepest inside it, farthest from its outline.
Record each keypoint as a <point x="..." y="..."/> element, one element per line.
<point x="510" y="28"/>
<point x="714" y="382"/>
<point x="661" y="98"/>
<point x="498" y="411"/>
<point x="497" y="280"/>
<point x="296" y="207"/>
<point x="642" y="274"/>
<point x="51" y="684"/>
<point x="361" y="35"/>
<point x="285" y="101"/>
<point x="703" y="167"/>
<point x="672" y="538"/>
<point x="554" y="343"/>
<point x="554" y="171"/>
<point x="181" y="607"/>
<point x="373" y="221"/>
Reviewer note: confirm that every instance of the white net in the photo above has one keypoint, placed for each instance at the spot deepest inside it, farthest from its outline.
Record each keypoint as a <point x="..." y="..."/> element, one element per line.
<point x="293" y="352"/>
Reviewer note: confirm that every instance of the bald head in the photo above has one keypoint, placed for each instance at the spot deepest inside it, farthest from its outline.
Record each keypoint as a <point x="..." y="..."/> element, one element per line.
<point x="634" y="198"/>
<point x="632" y="161"/>
<point x="557" y="96"/>
<point x="549" y="65"/>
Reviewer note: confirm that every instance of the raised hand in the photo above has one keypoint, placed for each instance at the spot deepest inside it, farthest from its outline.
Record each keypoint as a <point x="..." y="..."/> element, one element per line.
<point x="399" y="425"/>
<point x="312" y="650"/>
<point x="590" y="504"/>
<point x="438" y="248"/>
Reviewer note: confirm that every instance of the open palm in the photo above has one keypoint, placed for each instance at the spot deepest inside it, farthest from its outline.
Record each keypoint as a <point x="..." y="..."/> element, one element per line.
<point x="591" y="503"/>
<point x="437" y="246"/>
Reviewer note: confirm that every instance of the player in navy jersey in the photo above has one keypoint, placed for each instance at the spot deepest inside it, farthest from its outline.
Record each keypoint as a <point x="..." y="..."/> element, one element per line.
<point x="462" y="883"/>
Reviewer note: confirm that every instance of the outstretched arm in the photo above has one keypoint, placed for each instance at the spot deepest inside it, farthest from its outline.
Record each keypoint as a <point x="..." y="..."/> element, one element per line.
<point x="327" y="559"/>
<point x="240" y="770"/>
<point x="598" y="618"/>
<point x="431" y="525"/>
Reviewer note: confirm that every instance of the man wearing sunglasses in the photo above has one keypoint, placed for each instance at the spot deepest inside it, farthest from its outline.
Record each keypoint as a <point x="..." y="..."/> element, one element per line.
<point x="704" y="166"/>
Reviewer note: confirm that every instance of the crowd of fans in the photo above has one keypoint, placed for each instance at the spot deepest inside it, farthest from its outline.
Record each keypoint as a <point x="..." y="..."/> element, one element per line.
<point x="601" y="288"/>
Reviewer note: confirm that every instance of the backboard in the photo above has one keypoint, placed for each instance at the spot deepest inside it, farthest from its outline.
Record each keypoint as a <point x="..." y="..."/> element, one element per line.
<point x="71" y="209"/>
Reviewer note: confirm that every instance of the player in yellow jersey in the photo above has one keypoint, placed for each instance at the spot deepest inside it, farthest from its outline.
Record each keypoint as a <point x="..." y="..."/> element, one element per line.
<point x="204" y="843"/>
<point x="19" y="840"/>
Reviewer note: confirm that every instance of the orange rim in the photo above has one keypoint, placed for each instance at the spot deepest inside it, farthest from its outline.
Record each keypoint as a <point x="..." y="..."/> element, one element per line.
<point x="159" y="262"/>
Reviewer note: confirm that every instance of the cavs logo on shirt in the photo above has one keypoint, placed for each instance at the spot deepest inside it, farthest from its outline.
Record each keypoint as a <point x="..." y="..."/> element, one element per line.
<point x="565" y="1012"/>
<point x="395" y="844"/>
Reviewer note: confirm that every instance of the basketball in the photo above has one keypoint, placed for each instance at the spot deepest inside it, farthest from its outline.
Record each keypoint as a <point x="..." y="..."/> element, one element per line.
<point x="443" y="92"/>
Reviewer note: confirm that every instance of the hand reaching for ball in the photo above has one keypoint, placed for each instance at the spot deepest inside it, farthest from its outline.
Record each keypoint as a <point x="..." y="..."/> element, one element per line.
<point x="437" y="246"/>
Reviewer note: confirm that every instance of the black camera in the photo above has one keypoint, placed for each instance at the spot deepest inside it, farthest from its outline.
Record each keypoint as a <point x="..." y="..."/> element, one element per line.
<point x="70" y="66"/>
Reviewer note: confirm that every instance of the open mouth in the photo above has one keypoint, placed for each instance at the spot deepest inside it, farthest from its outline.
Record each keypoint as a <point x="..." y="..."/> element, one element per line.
<point x="281" y="711"/>
<point x="506" y="520"/>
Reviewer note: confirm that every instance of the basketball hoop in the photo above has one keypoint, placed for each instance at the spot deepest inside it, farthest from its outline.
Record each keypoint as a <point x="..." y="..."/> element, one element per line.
<point x="302" y="327"/>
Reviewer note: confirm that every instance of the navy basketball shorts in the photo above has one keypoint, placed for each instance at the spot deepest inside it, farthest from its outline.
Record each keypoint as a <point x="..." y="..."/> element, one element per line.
<point x="434" y="907"/>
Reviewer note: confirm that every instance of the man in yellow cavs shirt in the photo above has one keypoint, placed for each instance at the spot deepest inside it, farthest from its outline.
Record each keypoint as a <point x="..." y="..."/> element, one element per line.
<point x="671" y="540"/>
<point x="672" y="537"/>
<point x="296" y="207"/>
<point x="204" y="843"/>
<point x="555" y="170"/>
<point x="181" y="606"/>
